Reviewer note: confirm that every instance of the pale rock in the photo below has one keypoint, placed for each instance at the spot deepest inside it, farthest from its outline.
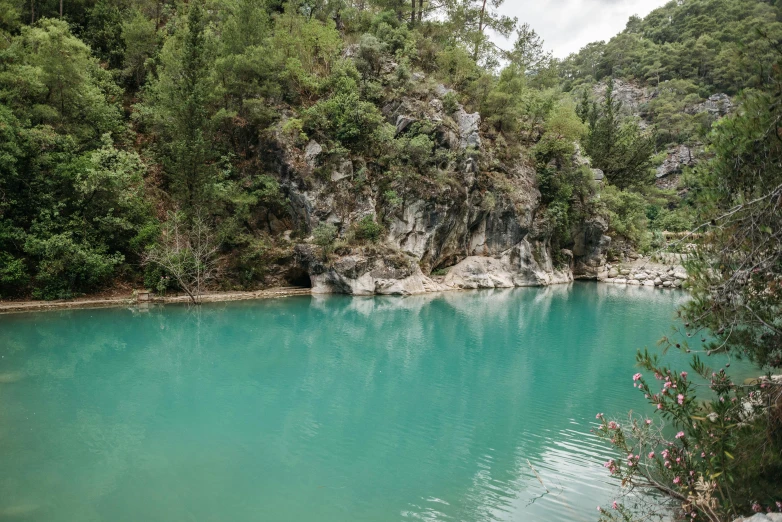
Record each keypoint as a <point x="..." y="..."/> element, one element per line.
<point x="641" y="276"/>
<point x="311" y="152"/>
<point x="649" y="282"/>
<point x="620" y="281"/>
<point x="343" y="170"/>
<point x="469" y="125"/>
<point x="402" y="123"/>
<point x="667" y="284"/>
<point x="634" y="282"/>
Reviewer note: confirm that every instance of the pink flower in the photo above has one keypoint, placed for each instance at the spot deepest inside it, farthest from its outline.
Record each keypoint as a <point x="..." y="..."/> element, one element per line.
<point x="680" y="398"/>
<point x="703" y="454"/>
<point x="599" y="508"/>
<point x="665" y="453"/>
<point x="648" y="421"/>
<point x="676" y="480"/>
<point x="599" y="416"/>
<point x="684" y="375"/>
<point x="613" y="505"/>
<point x="659" y="406"/>
<point x="637" y="376"/>
<point x="613" y="426"/>
<point x="651" y="455"/>
<point x="680" y="435"/>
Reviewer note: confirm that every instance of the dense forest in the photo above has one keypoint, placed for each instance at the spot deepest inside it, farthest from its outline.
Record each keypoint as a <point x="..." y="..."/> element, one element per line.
<point x="120" y="117"/>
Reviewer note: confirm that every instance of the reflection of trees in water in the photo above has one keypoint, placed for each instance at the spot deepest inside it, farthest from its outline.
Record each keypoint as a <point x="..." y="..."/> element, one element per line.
<point x="414" y="386"/>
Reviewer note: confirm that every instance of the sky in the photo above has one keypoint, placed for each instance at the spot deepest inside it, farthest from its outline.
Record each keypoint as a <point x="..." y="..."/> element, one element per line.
<point x="568" y="25"/>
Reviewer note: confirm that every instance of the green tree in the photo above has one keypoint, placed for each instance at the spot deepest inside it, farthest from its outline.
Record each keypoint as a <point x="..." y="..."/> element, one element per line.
<point x="618" y="147"/>
<point x="178" y="103"/>
<point x="140" y="37"/>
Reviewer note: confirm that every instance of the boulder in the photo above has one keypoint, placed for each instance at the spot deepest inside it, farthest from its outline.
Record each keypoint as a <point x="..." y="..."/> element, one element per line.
<point x="402" y="123"/>
<point x="311" y="153"/>
<point x="469" y="126"/>
<point x="678" y="157"/>
<point x="342" y="171"/>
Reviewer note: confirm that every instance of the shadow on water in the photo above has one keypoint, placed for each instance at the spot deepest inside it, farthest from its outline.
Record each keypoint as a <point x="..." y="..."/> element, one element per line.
<point x="464" y="406"/>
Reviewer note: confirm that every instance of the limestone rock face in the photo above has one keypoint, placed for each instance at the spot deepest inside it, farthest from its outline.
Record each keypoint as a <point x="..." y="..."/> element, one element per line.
<point x="478" y="220"/>
<point x="717" y="105"/>
<point x="519" y="266"/>
<point x="589" y="251"/>
<point x="469" y="126"/>
<point x="678" y="157"/>
<point x="631" y="96"/>
<point x="364" y="273"/>
<point x="311" y="153"/>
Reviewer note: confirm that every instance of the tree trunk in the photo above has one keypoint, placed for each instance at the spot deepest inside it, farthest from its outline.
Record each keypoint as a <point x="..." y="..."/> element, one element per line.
<point x="479" y="37"/>
<point x="412" y="13"/>
<point x="420" y="11"/>
<point x="60" y="8"/>
<point x="32" y="12"/>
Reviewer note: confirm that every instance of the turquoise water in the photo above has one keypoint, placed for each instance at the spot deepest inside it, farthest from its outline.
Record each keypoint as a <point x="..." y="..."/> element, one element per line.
<point x="322" y="408"/>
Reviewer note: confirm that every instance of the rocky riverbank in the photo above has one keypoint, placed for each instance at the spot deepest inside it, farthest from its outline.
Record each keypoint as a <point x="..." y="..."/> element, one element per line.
<point x="667" y="273"/>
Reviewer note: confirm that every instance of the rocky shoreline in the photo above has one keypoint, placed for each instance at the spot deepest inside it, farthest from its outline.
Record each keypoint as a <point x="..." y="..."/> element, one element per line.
<point x="363" y="276"/>
<point x="645" y="272"/>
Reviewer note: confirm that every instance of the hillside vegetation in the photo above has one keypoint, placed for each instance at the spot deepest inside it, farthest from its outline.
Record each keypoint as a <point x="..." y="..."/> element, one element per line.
<point x="121" y="117"/>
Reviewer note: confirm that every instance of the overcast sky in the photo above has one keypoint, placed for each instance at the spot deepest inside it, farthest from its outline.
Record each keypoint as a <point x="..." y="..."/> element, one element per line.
<point x="568" y="25"/>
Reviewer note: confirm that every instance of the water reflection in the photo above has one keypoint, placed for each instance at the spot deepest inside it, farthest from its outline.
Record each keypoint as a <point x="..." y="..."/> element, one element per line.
<point x="432" y="407"/>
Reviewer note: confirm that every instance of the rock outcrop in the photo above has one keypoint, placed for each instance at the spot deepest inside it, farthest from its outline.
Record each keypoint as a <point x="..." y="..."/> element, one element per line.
<point x="478" y="221"/>
<point x="718" y="105"/>
<point x="664" y="273"/>
<point x="678" y="157"/>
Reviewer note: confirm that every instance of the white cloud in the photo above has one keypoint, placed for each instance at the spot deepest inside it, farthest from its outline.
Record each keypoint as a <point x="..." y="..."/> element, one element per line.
<point x="568" y="25"/>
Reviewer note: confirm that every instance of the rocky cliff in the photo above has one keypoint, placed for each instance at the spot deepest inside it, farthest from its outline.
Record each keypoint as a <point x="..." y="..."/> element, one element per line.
<point x="475" y="222"/>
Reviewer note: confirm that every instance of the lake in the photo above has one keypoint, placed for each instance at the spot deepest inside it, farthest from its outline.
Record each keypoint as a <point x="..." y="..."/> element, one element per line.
<point x="323" y="408"/>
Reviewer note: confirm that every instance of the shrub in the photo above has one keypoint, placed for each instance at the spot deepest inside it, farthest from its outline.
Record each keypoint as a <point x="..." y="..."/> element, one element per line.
<point x="344" y="116"/>
<point x="13" y="275"/>
<point x="67" y="268"/>
<point x="368" y="230"/>
<point x="324" y="236"/>
<point x="450" y="102"/>
<point x="626" y="213"/>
